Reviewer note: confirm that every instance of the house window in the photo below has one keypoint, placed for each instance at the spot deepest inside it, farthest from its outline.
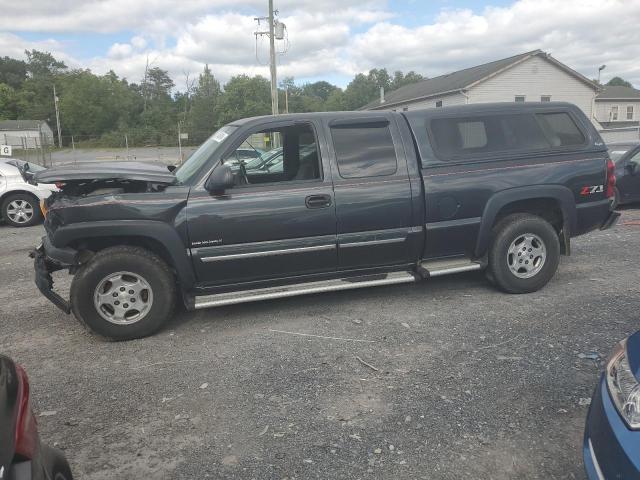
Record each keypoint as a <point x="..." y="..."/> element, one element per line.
<point x="629" y="112"/>
<point x="614" y="113"/>
<point x="545" y="98"/>
<point x="520" y="98"/>
<point x="439" y="104"/>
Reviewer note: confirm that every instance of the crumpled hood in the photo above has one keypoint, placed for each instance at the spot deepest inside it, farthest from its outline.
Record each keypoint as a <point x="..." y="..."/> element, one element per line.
<point x="96" y="171"/>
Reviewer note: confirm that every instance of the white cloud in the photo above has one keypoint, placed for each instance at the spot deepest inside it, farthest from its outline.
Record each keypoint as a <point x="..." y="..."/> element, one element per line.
<point x="582" y="34"/>
<point x="120" y="50"/>
<point x="333" y="38"/>
<point x="138" y="42"/>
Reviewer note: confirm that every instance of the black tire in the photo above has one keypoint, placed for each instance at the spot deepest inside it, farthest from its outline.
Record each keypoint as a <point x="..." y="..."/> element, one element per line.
<point x="55" y="464"/>
<point x="510" y="230"/>
<point x="139" y="262"/>
<point x="25" y="199"/>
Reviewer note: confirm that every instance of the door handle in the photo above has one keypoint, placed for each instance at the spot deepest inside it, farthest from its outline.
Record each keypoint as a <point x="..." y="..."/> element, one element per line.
<point x="318" y="201"/>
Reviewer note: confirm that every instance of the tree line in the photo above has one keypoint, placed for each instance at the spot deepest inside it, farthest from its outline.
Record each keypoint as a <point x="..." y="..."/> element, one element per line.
<point x="99" y="110"/>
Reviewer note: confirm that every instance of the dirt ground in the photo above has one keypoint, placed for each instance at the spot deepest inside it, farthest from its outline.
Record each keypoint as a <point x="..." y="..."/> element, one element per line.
<point x="446" y="379"/>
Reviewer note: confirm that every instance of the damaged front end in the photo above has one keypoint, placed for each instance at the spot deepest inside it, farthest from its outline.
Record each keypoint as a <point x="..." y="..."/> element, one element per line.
<point x="90" y="194"/>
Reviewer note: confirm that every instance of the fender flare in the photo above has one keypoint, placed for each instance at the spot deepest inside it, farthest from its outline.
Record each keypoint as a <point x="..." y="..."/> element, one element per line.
<point x="561" y="194"/>
<point x="160" y="232"/>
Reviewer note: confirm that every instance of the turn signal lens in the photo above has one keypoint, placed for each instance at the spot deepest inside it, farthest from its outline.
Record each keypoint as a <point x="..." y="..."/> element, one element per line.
<point x="43" y="208"/>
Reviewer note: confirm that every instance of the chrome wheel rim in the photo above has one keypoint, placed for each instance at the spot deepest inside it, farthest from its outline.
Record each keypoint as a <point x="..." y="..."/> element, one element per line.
<point x="526" y="255"/>
<point x="20" y="211"/>
<point x="123" y="298"/>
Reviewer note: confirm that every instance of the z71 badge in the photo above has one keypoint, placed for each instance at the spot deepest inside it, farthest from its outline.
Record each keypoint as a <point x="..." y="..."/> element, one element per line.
<point x="590" y="190"/>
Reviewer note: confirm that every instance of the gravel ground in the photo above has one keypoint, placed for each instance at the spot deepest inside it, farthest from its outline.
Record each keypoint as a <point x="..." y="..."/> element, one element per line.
<point x="462" y="382"/>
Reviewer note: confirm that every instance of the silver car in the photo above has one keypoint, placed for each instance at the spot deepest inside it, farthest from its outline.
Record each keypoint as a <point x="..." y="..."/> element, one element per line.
<point x="19" y="199"/>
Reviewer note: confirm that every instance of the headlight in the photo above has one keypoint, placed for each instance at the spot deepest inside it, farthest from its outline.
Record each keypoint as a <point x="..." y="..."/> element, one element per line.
<point x="624" y="387"/>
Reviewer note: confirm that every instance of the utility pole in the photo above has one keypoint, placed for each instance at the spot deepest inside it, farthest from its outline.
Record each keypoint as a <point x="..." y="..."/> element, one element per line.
<point x="55" y="101"/>
<point x="272" y="61"/>
<point x="275" y="32"/>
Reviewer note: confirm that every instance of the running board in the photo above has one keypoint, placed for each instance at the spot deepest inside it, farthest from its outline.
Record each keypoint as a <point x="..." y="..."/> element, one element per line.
<point x="231" y="298"/>
<point x="436" y="268"/>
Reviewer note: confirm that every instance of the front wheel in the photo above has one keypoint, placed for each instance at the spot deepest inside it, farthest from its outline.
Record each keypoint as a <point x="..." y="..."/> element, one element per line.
<point x="524" y="253"/>
<point x="123" y="293"/>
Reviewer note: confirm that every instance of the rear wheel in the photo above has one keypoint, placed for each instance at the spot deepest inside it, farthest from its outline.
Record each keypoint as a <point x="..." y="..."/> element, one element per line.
<point x="524" y="253"/>
<point x="21" y="210"/>
<point x="123" y="293"/>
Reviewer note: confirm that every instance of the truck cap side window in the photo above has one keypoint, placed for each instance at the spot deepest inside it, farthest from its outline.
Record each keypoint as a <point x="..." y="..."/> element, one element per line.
<point x="364" y="150"/>
<point x="459" y="138"/>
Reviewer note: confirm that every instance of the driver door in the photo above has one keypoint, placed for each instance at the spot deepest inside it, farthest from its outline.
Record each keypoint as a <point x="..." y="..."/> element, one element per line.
<point x="279" y="219"/>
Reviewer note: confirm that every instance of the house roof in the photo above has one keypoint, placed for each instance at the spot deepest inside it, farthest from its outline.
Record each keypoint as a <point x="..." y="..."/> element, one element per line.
<point x="463" y="79"/>
<point x="21" y="124"/>
<point x="615" y="92"/>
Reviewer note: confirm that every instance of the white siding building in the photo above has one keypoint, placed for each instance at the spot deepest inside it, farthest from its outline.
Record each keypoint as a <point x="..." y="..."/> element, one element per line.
<point x="25" y="133"/>
<point x="528" y="77"/>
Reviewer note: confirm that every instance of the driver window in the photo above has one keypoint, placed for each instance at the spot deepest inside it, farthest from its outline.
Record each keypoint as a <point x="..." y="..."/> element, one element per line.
<point x="635" y="159"/>
<point x="276" y="155"/>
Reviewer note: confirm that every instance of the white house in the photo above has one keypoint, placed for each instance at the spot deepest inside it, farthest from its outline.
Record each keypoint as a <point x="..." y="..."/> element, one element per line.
<point x="618" y="107"/>
<point x="529" y="77"/>
<point x="25" y="133"/>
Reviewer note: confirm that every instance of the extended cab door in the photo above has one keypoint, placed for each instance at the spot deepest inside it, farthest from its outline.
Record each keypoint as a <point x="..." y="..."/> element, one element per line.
<point x="372" y="192"/>
<point x="278" y="220"/>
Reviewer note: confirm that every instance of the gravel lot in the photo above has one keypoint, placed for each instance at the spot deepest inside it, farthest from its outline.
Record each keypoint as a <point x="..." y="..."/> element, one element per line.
<point x="467" y="382"/>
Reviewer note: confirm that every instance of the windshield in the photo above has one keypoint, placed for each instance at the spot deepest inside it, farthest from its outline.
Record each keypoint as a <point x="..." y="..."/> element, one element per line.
<point x="33" y="167"/>
<point x="189" y="169"/>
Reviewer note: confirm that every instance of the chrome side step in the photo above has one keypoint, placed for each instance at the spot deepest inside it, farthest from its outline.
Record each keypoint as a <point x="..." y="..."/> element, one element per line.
<point x="230" y="298"/>
<point x="436" y="268"/>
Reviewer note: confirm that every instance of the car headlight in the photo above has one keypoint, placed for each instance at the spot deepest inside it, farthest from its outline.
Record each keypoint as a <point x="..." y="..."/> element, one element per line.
<point x="624" y="387"/>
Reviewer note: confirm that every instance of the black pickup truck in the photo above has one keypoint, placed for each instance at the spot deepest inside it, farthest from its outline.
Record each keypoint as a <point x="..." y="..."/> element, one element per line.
<point x="337" y="201"/>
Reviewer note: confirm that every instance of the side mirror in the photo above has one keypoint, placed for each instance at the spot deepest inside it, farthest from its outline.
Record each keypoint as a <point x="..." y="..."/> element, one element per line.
<point x="632" y="168"/>
<point x="220" y="179"/>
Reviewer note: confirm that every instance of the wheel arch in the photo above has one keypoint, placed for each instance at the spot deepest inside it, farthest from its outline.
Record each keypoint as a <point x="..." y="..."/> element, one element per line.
<point x="554" y="203"/>
<point x="8" y="193"/>
<point x="157" y="237"/>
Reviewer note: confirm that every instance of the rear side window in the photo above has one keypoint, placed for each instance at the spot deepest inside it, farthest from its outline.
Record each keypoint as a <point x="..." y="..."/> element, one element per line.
<point x="561" y="129"/>
<point x="458" y="138"/>
<point x="364" y="150"/>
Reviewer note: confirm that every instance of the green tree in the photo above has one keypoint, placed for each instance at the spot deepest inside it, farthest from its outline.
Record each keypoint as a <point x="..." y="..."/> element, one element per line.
<point x="204" y="108"/>
<point x="8" y="102"/>
<point x="401" y="79"/>
<point x="360" y="91"/>
<point x="619" y="82"/>
<point x="244" y="96"/>
<point x="35" y="98"/>
<point x="94" y="105"/>
<point x="12" y="72"/>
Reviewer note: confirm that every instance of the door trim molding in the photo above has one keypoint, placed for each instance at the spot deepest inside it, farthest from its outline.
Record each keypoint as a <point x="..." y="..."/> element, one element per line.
<point x="268" y="253"/>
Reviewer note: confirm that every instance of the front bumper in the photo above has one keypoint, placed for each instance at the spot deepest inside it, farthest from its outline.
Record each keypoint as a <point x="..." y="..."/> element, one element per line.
<point x="46" y="260"/>
<point x="610" y="450"/>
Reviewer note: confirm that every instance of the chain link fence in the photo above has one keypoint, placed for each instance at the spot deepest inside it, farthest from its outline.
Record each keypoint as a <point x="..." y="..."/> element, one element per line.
<point x="145" y="145"/>
<point x="32" y="149"/>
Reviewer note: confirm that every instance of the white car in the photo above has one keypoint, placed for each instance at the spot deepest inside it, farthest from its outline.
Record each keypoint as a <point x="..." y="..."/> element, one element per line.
<point x="19" y="199"/>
